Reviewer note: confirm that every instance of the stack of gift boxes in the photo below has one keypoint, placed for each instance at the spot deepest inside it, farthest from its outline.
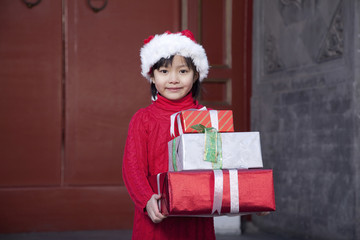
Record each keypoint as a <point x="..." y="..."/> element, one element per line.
<point x="212" y="169"/>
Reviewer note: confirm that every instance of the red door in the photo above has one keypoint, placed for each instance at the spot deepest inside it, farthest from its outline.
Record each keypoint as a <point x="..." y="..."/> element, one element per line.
<point x="70" y="82"/>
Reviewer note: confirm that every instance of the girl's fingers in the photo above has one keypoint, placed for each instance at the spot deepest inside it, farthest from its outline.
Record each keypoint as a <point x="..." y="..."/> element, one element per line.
<point x="153" y="210"/>
<point x="156" y="216"/>
<point x="157" y="196"/>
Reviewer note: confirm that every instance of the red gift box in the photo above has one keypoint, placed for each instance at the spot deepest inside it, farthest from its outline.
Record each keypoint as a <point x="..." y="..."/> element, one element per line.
<point x="214" y="192"/>
<point x="183" y="121"/>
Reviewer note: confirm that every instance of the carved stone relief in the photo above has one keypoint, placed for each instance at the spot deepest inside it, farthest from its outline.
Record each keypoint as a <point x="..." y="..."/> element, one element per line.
<point x="302" y="33"/>
<point x="333" y="44"/>
<point x="272" y="61"/>
<point x="292" y="10"/>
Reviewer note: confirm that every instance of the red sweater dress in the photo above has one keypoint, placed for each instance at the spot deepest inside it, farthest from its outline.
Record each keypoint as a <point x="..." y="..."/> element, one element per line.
<point x="146" y="153"/>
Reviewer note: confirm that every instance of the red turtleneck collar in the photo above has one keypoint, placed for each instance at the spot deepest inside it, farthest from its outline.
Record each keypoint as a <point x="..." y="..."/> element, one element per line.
<point x="186" y="102"/>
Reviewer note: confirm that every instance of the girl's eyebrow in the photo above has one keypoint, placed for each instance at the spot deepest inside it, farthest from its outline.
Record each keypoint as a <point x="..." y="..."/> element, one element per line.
<point x="178" y="66"/>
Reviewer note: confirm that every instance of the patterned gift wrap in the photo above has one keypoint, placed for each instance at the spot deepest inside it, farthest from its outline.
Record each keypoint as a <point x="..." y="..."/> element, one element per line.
<point x="183" y="121"/>
<point x="214" y="192"/>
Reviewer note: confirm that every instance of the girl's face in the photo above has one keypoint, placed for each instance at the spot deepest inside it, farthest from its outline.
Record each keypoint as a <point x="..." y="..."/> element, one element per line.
<point x="175" y="80"/>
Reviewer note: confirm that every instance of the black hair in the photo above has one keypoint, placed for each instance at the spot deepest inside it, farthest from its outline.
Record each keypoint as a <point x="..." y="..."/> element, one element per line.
<point x="164" y="62"/>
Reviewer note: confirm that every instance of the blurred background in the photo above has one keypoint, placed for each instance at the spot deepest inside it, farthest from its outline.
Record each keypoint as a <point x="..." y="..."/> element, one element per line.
<point x="70" y="82"/>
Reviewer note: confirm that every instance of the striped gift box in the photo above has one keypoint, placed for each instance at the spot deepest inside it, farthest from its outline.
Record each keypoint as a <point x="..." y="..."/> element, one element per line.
<point x="190" y="118"/>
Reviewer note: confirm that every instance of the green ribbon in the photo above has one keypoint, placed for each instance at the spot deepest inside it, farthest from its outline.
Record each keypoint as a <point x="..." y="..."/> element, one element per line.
<point x="213" y="145"/>
<point x="174" y="154"/>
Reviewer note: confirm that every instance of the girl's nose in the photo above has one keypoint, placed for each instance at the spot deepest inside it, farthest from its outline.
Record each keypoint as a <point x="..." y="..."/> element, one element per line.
<point x="174" y="78"/>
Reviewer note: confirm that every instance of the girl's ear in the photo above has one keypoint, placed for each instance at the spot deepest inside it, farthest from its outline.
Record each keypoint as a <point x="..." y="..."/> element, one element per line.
<point x="152" y="80"/>
<point x="196" y="76"/>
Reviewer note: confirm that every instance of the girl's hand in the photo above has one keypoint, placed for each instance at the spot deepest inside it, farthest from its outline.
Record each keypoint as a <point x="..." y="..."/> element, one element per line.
<point x="153" y="210"/>
<point x="263" y="213"/>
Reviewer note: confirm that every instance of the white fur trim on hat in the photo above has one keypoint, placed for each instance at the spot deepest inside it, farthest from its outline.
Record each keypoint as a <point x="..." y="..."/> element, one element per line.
<point x="168" y="44"/>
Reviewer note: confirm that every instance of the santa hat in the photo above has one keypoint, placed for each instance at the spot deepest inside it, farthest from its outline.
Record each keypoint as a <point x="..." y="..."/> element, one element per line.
<point x="168" y="44"/>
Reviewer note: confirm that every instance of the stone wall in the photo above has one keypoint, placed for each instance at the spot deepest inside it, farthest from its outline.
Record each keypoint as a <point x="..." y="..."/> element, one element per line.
<point x="356" y="158"/>
<point x="305" y="103"/>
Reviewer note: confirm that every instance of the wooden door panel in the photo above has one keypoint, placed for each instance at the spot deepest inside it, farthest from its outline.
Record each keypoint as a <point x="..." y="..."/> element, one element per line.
<point x="223" y="27"/>
<point x="213" y="31"/>
<point x="104" y="86"/>
<point x="30" y="94"/>
<point x="241" y="63"/>
<point x="215" y="34"/>
<point x="64" y="209"/>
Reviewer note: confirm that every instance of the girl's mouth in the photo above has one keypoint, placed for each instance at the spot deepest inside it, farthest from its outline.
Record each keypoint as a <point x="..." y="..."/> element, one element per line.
<point x="173" y="89"/>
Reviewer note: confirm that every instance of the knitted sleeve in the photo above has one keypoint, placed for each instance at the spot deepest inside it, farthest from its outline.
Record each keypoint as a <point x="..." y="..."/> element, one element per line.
<point x="135" y="164"/>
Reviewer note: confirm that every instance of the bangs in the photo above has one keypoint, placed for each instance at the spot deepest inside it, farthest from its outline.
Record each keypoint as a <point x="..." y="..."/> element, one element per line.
<point x="165" y="62"/>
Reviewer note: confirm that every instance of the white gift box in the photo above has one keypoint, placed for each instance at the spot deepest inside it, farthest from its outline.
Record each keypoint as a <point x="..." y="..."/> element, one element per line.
<point x="239" y="150"/>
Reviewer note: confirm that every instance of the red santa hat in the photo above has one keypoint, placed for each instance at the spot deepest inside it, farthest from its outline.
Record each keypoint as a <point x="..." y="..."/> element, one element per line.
<point x="168" y="44"/>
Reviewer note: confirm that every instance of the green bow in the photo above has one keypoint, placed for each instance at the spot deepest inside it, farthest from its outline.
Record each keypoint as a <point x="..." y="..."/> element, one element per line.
<point x="213" y="145"/>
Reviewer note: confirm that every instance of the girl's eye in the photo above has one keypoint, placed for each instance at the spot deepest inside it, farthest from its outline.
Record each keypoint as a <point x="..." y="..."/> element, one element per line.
<point x="183" y="71"/>
<point x="163" y="70"/>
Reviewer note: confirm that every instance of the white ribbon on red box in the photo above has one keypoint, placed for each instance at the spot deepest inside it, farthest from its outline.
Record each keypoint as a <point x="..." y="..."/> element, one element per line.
<point x="218" y="191"/>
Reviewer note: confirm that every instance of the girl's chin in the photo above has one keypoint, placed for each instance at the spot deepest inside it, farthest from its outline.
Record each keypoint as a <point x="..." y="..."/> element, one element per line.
<point x="174" y="96"/>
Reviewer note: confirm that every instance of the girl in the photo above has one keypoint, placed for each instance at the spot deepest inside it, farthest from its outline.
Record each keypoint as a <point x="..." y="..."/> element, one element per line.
<point x="175" y="65"/>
